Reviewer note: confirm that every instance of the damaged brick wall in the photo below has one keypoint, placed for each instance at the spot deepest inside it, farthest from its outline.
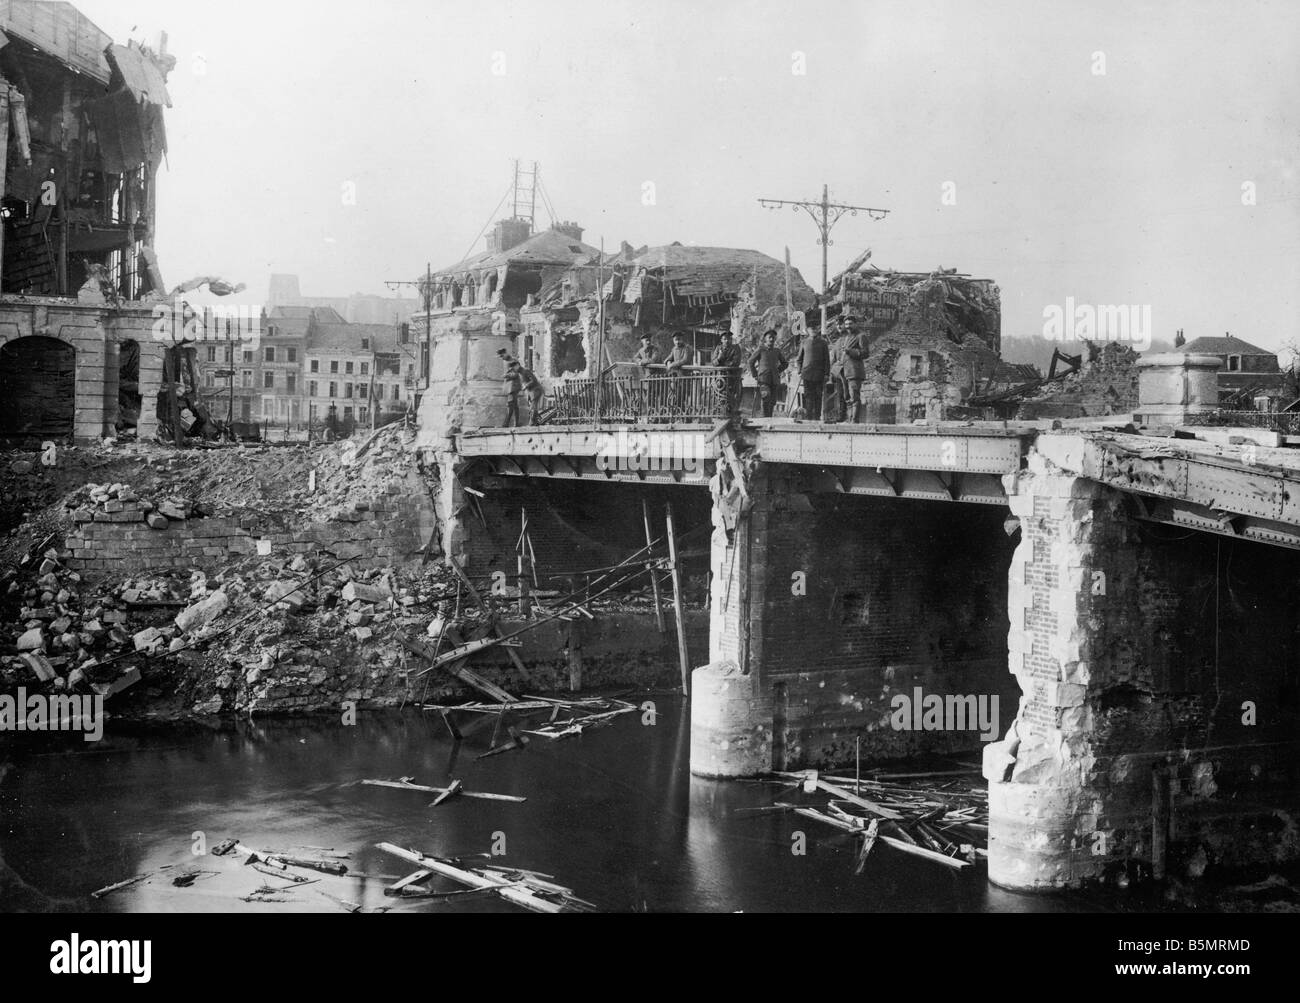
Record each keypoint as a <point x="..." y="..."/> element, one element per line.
<point x="390" y="529"/>
<point x="851" y="601"/>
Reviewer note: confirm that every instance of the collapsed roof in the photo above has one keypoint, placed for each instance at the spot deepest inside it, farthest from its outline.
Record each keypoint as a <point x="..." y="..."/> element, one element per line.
<point x="942" y="302"/>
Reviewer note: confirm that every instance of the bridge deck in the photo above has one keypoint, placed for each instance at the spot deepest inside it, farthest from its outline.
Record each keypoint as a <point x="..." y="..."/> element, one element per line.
<point x="1242" y="489"/>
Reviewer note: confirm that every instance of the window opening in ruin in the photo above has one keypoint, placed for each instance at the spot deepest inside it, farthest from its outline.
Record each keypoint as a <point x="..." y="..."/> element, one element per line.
<point x="129" y="401"/>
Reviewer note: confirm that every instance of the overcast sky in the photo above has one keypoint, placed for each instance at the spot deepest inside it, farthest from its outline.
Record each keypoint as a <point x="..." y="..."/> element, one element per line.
<point x="1115" y="187"/>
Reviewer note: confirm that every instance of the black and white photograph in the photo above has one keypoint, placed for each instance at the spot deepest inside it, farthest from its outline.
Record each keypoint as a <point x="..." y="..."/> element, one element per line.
<point x="739" y="458"/>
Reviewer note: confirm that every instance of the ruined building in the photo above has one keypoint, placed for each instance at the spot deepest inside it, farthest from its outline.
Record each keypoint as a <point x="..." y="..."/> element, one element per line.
<point x="81" y="128"/>
<point x="934" y="340"/>
<point x="474" y="313"/>
<point x="701" y="291"/>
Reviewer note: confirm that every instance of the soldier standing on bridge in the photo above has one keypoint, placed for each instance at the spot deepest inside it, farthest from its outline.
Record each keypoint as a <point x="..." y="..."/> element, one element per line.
<point x="766" y="365"/>
<point x="727" y="356"/>
<point x="513" y="383"/>
<point x="814" y="362"/>
<point x="852" y="351"/>
<point x="532" y="386"/>
<point x="678" y="359"/>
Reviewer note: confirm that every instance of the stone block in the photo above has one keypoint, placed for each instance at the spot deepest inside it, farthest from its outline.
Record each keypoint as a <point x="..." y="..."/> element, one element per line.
<point x="32" y="640"/>
<point x="40" y="665"/>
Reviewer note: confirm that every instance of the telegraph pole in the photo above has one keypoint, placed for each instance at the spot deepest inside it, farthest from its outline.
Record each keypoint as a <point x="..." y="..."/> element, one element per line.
<point x="825" y="214"/>
<point x="426" y="288"/>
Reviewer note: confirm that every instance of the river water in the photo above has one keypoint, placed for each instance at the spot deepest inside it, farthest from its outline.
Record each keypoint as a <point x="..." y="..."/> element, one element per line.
<point x="614" y="814"/>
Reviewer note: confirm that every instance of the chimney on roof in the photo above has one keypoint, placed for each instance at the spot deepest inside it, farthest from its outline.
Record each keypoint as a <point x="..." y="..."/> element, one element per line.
<point x="569" y="229"/>
<point x="508" y="233"/>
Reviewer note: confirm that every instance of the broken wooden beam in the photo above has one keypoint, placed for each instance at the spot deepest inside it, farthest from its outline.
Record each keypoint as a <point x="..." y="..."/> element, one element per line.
<point x="508" y="890"/>
<point x="448" y="794"/>
<point x="920" y="851"/>
<point x="404" y="786"/>
<point x="108" y="889"/>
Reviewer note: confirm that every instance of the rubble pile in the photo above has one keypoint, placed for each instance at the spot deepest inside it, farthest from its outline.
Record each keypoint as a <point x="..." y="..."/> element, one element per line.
<point x="120" y="503"/>
<point x="276" y="635"/>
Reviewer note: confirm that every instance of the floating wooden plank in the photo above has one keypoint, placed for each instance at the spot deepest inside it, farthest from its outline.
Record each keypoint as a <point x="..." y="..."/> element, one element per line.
<point x="109" y="889"/>
<point x="396" y="887"/>
<point x="342" y="903"/>
<point x="402" y="785"/>
<point x="448" y="794"/>
<point x="421" y="893"/>
<point x="325" y="866"/>
<point x="920" y="851"/>
<point x="517" y="741"/>
<point x="829" y="820"/>
<point x="508" y="890"/>
<point x="846" y="795"/>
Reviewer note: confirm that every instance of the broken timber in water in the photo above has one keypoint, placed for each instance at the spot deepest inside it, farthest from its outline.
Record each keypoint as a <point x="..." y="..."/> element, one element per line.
<point x="403" y="785"/>
<point x="944" y="826"/>
<point x="522" y="888"/>
<point x="108" y="889"/>
<point x="456" y="655"/>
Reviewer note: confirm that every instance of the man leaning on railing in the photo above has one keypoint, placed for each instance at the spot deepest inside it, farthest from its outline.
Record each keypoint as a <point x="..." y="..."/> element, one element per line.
<point x="727" y="356"/>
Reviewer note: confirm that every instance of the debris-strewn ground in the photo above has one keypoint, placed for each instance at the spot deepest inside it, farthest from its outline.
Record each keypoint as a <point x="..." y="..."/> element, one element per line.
<point x="259" y="634"/>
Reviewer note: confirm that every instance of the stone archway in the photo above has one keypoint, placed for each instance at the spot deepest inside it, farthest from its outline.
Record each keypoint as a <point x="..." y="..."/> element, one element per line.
<point x="37" y="388"/>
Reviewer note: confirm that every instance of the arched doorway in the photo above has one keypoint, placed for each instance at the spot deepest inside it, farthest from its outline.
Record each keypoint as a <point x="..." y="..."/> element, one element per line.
<point x="37" y="388"/>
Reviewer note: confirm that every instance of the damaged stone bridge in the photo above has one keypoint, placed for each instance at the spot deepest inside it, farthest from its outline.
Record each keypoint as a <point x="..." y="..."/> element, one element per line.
<point x="1143" y="590"/>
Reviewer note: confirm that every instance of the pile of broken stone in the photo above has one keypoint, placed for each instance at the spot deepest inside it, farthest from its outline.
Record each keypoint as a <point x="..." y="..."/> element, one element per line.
<point x="69" y="635"/>
<point x="120" y="503"/>
<point x="64" y="642"/>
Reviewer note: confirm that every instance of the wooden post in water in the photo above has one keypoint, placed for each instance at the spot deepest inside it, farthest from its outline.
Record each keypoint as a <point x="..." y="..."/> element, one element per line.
<point x="574" y="642"/>
<point x="650" y="566"/>
<point x="677" y="604"/>
<point x="524" y="604"/>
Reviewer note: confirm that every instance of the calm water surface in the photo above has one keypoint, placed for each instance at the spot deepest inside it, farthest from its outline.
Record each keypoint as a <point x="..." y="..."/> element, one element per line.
<point x="614" y="814"/>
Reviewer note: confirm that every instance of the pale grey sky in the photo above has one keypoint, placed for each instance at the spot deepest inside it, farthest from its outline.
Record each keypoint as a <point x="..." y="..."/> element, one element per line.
<point x="1122" y="187"/>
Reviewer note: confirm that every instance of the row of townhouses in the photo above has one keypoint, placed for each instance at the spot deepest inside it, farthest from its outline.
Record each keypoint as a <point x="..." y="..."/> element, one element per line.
<point x="311" y="367"/>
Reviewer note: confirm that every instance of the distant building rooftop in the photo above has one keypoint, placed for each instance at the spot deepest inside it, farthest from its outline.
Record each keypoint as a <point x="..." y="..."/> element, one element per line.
<point x="1223" y="346"/>
<point x="341" y="337"/>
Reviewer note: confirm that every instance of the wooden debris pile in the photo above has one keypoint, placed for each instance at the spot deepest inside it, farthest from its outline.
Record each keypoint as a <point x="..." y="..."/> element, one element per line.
<point x="938" y="817"/>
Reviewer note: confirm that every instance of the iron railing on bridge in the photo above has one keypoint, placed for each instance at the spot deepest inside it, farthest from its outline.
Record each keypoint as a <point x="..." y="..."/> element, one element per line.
<point x="701" y="394"/>
<point x="1286" y="422"/>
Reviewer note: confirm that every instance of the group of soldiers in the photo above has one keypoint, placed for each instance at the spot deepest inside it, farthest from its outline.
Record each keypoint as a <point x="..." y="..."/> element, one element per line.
<point x="835" y="359"/>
